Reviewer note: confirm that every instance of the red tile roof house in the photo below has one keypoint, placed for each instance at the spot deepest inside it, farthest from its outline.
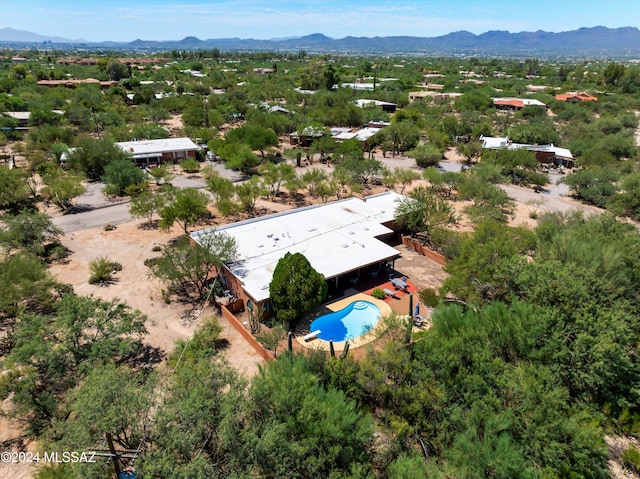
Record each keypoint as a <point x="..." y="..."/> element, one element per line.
<point x="573" y="97"/>
<point x="516" y="103"/>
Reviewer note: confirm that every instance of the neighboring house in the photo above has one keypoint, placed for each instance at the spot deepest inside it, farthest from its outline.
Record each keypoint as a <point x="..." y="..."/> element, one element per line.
<point x="573" y="97"/>
<point x="359" y="86"/>
<point x="537" y="88"/>
<point x="146" y="152"/>
<point x="75" y="83"/>
<point x="361" y="134"/>
<point x="433" y="95"/>
<point x="23" y="117"/>
<point x="263" y="71"/>
<point x="160" y="151"/>
<point x="306" y="136"/>
<point x="385" y="105"/>
<point x="341" y="240"/>
<point x="516" y="103"/>
<point x="548" y="154"/>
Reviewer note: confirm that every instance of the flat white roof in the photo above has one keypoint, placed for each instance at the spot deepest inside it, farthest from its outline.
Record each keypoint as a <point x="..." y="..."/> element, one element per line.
<point x="494" y="143"/>
<point x="336" y="238"/>
<point x="150" y="147"/>
<point x="364" y="102"/>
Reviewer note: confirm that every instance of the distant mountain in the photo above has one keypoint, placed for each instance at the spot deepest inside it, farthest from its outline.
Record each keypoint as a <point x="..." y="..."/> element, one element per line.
<point x="595" y="41"/>
<point x="8" y="34"/>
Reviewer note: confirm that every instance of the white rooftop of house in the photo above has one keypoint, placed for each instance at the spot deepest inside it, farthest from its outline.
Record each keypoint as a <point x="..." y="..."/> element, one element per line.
<point x="148" y="148"/>
<point x="361" y="134"/>
<point x="25" y="115"/>
<point x="336" y="238"/>
<point x="364" y="102"/>
<point x="525" y="101"/>
<point x="359" y="86"/>
<point x="495" y="143"/>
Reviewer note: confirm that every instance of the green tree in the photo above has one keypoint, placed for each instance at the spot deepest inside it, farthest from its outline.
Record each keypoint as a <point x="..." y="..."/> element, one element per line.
<point x="274" y="176"/>
<point x="90" y="157"/>
<point x="25" y="285"/>
<point x="53" y="353"/>
<point x="249" y="192"/>
<point x="480" y="269"/>
<point x="187" y="269"/>
<point x="292" y="413"/>
<point x="185" y="208"/>
<point x="255" y="136"/>
<point x="161" y="174"/>
<point x="199" y="429"/>
<point x="296" y="287"/>
<point x="120" y="174"/>
<point x="363" y="170"/>
<point x="113" y="399"/>
<point x="424" y="212"/>
<point x="30" y="231"/>
<point x="426" y="155"/>
<point x="147" y="204"/>
<point x="62" y="189"/>
<point x="14" y="191"/>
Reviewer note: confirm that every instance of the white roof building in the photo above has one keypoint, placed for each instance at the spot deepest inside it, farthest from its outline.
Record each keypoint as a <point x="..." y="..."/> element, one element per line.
<point x="156" y="148"/>
<point x="495" y="143"/>
<point x="336" y="238"/>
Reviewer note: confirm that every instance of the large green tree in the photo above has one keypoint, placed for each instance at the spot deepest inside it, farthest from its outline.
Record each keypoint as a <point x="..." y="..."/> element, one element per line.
<point x="296" y="287"/>
<point x="90" y="157"/>
<point x="188" y="268"/>
<point x="186" y="207"/>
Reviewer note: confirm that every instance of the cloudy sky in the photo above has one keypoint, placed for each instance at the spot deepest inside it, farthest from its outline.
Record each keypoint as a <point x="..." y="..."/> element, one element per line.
<point x="126" y="20"/>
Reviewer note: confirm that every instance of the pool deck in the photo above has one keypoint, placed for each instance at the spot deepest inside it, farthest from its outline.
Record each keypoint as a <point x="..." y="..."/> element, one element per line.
<point x="369" y="336"/>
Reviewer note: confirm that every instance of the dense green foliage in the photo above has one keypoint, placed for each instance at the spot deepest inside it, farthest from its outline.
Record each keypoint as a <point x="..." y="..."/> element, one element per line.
<point x="296" y="287"/>
<point x="521" y="377"/>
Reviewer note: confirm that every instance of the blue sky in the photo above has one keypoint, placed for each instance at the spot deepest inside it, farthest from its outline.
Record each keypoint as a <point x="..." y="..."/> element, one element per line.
<point x="126" y="20"/>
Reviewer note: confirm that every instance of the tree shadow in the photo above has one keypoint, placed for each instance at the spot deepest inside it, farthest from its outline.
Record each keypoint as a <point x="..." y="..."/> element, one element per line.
<point x="145" y="357"/>
<point x="76" y="209"/>
<point x="149" y="225"/>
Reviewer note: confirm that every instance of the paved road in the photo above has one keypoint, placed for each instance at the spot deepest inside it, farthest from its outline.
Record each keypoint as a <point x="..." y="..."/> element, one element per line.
<point x="97" y="211"/>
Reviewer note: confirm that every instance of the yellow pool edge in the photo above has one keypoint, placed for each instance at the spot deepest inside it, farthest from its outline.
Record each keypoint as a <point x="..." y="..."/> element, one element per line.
<point x="369" y="336"/>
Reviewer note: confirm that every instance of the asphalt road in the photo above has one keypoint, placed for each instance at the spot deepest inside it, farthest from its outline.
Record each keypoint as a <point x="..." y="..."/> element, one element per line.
<point x="95" y="211"/>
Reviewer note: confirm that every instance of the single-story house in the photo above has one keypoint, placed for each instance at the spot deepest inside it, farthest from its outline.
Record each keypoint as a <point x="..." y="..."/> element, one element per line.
<point x="340" y="239"/>
<point x="544" y="153"/>
<point x="306" y="136"/>
<point x="359" y="86"/>
<point x="433" y="95"/>
<point x="22" y="117"/>
<point x="573" y="97"/>
<point x="160" y="151"/>
<point x="385" y="105"/>
<point x="75" y="83"/>
<point x="516" y="103"/>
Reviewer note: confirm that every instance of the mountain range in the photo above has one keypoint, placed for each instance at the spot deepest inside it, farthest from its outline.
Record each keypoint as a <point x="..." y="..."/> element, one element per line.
<point x="594" y="41"/>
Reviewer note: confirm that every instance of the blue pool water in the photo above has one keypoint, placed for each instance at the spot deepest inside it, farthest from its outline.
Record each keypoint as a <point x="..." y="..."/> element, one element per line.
<point x="350" y="322"/>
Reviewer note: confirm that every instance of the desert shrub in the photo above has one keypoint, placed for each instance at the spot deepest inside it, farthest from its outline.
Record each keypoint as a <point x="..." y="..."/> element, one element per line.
<point x="102" y="270"/>
<point x="378" y="293"/>
<point x="110" y="227"/>
<point x="156" y="248"/>
<point x="631" y="458"/>
<point x="190" y="166"/>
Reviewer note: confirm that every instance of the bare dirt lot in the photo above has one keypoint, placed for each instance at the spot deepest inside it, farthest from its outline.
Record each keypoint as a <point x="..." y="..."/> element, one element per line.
<point x="130" y="245"/>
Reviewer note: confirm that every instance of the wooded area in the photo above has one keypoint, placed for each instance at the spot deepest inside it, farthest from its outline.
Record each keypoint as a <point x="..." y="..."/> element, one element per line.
<point x="525" y="381"/>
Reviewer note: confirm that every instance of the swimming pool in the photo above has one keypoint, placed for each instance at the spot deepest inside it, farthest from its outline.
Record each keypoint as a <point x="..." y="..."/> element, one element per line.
<point x="350" y="322"/>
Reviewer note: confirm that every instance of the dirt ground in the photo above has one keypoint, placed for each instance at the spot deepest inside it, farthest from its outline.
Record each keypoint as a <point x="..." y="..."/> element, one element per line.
<point x="130" y="244"/>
